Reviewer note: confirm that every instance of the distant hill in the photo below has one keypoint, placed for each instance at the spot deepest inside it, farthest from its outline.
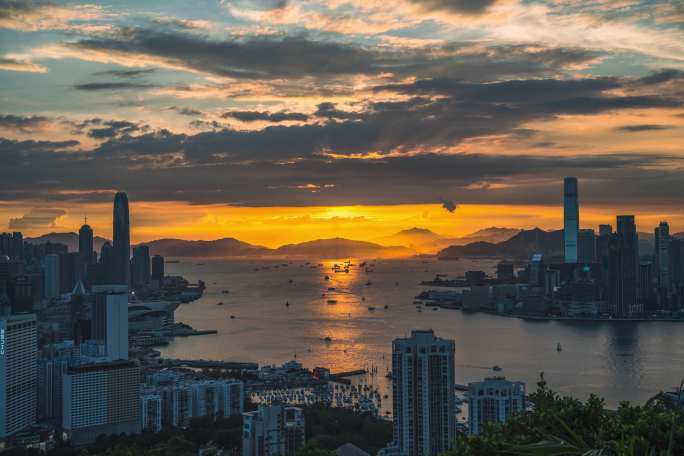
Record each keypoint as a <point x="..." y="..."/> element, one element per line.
<point x="522" y="245"/>
<point x="341" y="248"/>
<point x="68" y="239"/>
<point x="225" y="247"/>
<point x="427" y="241"/>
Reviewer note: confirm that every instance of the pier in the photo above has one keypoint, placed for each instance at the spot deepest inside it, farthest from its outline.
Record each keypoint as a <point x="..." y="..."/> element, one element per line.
<point x="202" y="363"/>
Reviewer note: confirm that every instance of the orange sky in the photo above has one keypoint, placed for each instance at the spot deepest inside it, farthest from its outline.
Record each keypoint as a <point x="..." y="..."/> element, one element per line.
<point x="275" y="226"/>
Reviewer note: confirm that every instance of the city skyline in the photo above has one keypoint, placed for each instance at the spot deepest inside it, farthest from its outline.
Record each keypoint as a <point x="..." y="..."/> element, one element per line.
<point x="376" y="117"/>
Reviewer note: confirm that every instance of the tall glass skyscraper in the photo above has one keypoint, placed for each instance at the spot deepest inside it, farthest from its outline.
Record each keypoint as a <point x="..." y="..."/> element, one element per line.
<point x="85" y="244"/>
<point x="122" y="241"/>
<point x="570" y="220"/>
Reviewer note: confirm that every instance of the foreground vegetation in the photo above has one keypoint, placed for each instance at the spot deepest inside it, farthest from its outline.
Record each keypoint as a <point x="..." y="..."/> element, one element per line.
<point x="563" y="426"/>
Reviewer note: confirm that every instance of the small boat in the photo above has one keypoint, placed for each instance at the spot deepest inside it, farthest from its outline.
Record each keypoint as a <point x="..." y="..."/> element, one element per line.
<point x="331" y="288"/>
<point x="369" y="283"/>
<point x="232" y="317"/>
<point x="386" y="307"/>
<point x="219" y="303"/>
<point x="371" y="308"/>
<point x="559" y="347"/>
<point x="290" y="281"/>
<point x="328" y="339"/>
<point x="327" y="278"/>
<point x="332" y="301"/>
<point x="496" y="368"/>
<point x="225" y="292"/>
<point x="363" y="298"/>
<point x="287" y="303"/>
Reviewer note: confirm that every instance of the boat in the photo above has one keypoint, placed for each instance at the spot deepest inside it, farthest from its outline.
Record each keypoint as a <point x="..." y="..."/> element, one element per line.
<point x="225" y="292"/>
<point x="371" y="308"/>
<point x="363" y="298"/>
<point x="327" y="278"/>
<point x="559" y="347"/>
<point x="369" y="283"/>
<point x="219" y="303"/>
<point x="331" y="288"/>
<point x="386" y="307"/>
<point x="287" y="303"/>
<point x="232" y="317"/>
<point x="496" y="368"/>
<point x="332" y="301"/>
<point x="328" y="339"/>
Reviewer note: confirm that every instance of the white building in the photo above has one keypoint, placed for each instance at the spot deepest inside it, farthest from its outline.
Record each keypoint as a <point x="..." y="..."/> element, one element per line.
<point x="493" y="400"/>
<point x="151" y="412"/>
<point x="272" y="430"/>
<point x="423" y="394"/>
<point x="52" y="278"/>
<point x="110" y="319"/>
<point x="101" y="399"/>
<point x="18" y="373"/>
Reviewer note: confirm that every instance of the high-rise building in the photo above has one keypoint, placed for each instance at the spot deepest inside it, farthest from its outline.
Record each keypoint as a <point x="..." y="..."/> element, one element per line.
<point x="570" y="220"/>
<point x="101" y="399"/>
<point x="663" y="258"/>
<point x="105" y="266"/>
<point x="587" y="246"/>
<point x="110" y="319"/>
<point x="493" y="401"/>
<point x="505" y="271"/>
<point x="603" y="245"/>
<point x="158" y="270"/>
<point x="623" y="268"/>
<point x="151" y="412"/>
<point x="70" y="271"/>
<point x="272" y="430"/>
<point x="217" y="398"/>
<point x="140" y="266"/>
<point x="12" y="245"/>
<point x="85" y="244"/>
<point x="53" y="280"/>
<point x="18" y="373"/>
<point x="423" y="394"/>
<point x="122" y="241"/>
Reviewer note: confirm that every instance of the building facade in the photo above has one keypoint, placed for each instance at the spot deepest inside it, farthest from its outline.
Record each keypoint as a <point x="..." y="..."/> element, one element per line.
<point x="122" y="241"/>
<point x="570" y="220"/>
<point x="493" y="400"/>
<point x="273" y="430"/>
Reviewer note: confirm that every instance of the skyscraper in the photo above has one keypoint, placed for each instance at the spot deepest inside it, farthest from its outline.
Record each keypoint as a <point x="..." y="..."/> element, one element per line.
<point x="110" y="320"/>
<point x="158" y="269"/>
<point x="140" y="266"/>
<point x="603" y="245"/>
<point x="272" y="430"/>
<point x="663" y="258"/>
<point x="623" y="267"/>
<point x="85" y="244"/>
<point x="18" y="373"/>
<point x="587" y="246"/>
<point x="52" y="276"/>
<point x="493" y="400"/>
<point x="570" y="220"/>
<point x="122" y="241"/>
<point x="423" y="394"/>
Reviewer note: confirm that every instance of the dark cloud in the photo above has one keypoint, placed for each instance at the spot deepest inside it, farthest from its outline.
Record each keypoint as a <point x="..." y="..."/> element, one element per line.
<point x="22" y="123"/>
<point x="330" y="111"/>
<point x="99" y="86"/>
<point x="36" y="218"/>
<point x="644" y="127"/>
<point x="662" y="76"/>
<point x="456" y="6"/>
<point x="184" y="111"/>
<point x="253" y="116"/>
<point x="10" y="8"/>
<point x="125" y="74"/>
<point x="114" y="128"/>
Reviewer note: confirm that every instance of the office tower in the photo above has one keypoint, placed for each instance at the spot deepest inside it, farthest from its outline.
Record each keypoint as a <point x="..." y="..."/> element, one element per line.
<point x="12" y="245"/>
<point x="85" y="244"/>
<point x="52" y="276"/>
<point x="217" y="398"/>
<point x="570" y="220"/>
<point x="4" y="273"/>
<point x="105" y="266"/>
<point x="18" y="374"/>
<point x="272" y="430"/>
<point x="122" y="241"/>
<point x="52" y="366"/>
<point x="505" y="271"/>
<point x="587" y="246"/>
<point x="69" y="271"/>
<point x="663" y="257"/>
<point x="536" y="276"/>
<point x="176" y="405"/>
<point x="678" y="262"/>
<point x="151" y="412"/>
<point x="101" y="399"/>
<point x="603" y="245"/>
<point x="646" y="287"/>
<point x="623" y="268"/>
<point x="158" y="270"/>
<point x="423" y="394"/>
<point x="140" y="266"/>
<point x="493" y="401"/>
<point x="110" y="319"/>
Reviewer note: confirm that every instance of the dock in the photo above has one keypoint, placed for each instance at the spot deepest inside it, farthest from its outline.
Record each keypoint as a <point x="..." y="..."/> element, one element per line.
<point x="202" y="363"/>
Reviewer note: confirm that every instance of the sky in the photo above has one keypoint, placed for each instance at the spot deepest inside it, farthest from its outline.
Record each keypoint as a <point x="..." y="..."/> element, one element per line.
<point x="279" y="121"/>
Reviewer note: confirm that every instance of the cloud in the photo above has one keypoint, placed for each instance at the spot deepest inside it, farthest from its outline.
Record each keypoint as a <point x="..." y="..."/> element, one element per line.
<point x="449" y="205"/>
<point x="114" y="128"/>
<point x="253" y="116"/>
<point x="125" y="74"/>
<point x="456" y="6"/>
<point x="114" y="86"/>
<point x="184" y="111"/>
<point x="21" y="123"/>
<point x="659" y="77"/>
<point x="330" y="111"/>
<point x="37" y="15"/>
<point x="644" y="127"/>
<point x="36" y="218"/>
<point x="22" y="65"/>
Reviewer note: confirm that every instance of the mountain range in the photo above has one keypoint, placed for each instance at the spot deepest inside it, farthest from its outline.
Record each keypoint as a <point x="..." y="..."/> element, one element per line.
<point x="522" y="245"/>
<point x="425" y="241"/>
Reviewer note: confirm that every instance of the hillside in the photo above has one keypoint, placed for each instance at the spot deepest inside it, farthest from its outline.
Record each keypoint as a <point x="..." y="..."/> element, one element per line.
<point x="341" y="248"/>
<point x="68" y="239"/>
<point x="522" y="245"/>
<point x="225" y="247"/>
<point x="426" y="241"/>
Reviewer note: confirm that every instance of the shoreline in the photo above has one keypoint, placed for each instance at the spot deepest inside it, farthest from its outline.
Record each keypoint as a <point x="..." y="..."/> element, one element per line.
<point x="583" y="319"/>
